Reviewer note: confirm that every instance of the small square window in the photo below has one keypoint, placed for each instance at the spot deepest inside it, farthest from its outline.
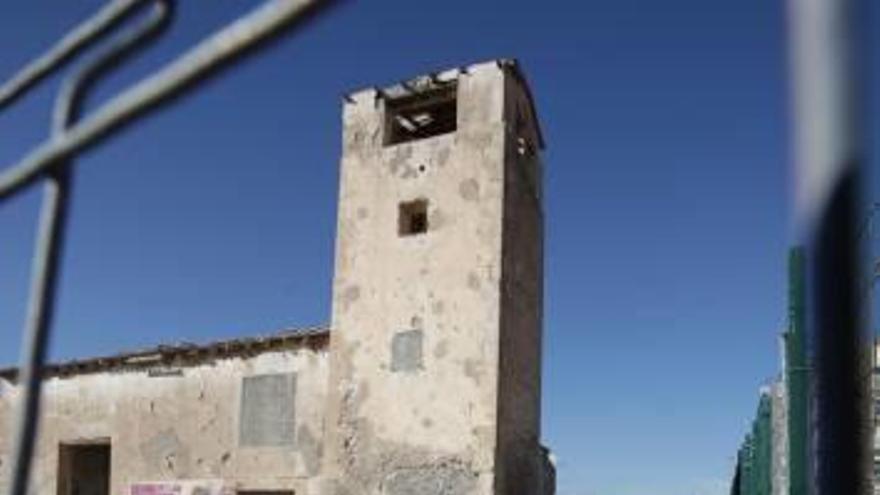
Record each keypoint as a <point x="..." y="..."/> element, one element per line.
<point x="413" y="218"/>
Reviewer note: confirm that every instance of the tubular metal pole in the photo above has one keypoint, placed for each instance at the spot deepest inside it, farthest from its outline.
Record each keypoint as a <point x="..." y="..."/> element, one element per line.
<point x="50" y="242"/>
<point x="828" y="156"/>
<point x="52" y="160"/>
<point x="47" y="258"/>
<point x="206" y="59"/>
<point x="80" y="38"/>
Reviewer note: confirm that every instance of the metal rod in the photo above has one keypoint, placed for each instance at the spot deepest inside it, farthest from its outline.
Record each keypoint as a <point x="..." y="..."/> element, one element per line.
<point x="200" y="62"/>
<point x="80" y="38"/>
<point x="829" y="157"/>
<point x="53" y="222"/>
<point x="50" y="241"/>
<point x="53" y="160"/>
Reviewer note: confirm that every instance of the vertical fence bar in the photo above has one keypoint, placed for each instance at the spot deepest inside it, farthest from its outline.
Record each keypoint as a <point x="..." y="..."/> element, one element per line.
<point x="77" y="40"/>
<point x="797" y="374"/>
<point x="828" y="158"/>
<point x="44" y="282"/>
<point x="51" y="234"/>
<point x="51" y="162"/>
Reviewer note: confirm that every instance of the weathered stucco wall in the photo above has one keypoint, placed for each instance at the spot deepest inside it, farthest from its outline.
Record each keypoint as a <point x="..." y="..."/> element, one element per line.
<point x="191" y="423"/>
<point x="431" y="383"/>
<point x="431" y="427"/>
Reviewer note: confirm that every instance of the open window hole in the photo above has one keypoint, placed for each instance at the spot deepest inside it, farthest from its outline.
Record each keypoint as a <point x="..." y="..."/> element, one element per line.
<point x="413" y="217"/>
<point x="421" y="115"/>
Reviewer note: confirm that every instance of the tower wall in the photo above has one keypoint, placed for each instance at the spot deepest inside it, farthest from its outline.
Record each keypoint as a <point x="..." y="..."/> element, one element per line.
<point x="520" y="461"/>
<point x="435" y="348"/>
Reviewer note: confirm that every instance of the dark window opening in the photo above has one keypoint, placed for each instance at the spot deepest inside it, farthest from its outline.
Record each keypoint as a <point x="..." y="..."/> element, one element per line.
<point x="421" y="115"/>
<point x="413" y="217"/>
<point x="84" y="469"/>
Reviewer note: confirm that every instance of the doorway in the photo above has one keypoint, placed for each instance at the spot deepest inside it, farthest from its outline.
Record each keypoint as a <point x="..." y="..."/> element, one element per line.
<point x="84" y="468"/>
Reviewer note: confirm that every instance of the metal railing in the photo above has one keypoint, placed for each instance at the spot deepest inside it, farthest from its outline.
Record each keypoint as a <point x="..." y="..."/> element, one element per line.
<point x="52" y="161"/>
<point x="829" y="153"/>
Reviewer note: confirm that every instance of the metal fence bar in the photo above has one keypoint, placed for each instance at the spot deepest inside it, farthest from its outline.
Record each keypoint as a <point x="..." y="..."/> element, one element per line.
<point x="200" y="62"/>
<point x="50" y="241"/>
<point x="53" y="161"/>
<point x="53" y="222"/>
<point x="80" y="38"/>
<point x="829" y="155"/>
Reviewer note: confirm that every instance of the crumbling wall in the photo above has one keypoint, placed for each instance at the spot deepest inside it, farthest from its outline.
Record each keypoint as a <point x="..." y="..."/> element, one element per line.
<point x="435" y="355"/>
<point x="415" y="349"/>
<point x="254" y="422"/>
<point x="402" y="423"/>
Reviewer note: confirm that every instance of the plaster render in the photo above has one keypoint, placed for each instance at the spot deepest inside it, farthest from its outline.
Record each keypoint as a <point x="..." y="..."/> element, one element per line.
<point x="181" y="426"/>
<point x="470" y="285"/>
<point x="430" y="381"/>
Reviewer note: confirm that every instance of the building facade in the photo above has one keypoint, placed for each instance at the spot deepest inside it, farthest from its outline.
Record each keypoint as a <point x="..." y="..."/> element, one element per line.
<point x="428" y="379"/>
<point x="245" y="414"/>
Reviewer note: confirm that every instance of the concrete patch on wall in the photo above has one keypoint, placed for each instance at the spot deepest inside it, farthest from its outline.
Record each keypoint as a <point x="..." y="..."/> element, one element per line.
<point x="442" y="479"/>
<point x="267" y="410"/>
<point x="469" y="190"/>
<point x="406" y="351"/>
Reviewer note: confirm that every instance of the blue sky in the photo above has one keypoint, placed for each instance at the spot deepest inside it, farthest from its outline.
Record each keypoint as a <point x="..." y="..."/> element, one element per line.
<point x="666" y="188"/>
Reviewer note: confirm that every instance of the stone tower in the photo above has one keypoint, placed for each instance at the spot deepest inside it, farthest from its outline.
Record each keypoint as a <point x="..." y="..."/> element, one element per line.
<point x="437" y="299"/>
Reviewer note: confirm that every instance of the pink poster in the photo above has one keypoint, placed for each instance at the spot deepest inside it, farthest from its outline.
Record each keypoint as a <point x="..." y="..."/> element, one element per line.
<point x="156" y="489"/>
<point x="188" y="487"/>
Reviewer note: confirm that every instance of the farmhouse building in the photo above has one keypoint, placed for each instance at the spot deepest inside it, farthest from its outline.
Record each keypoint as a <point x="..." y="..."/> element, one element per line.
<point x="427" y="379"/>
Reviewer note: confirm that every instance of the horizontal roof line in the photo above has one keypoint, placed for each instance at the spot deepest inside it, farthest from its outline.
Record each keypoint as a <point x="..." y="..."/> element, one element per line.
<point x="186" y="353"/>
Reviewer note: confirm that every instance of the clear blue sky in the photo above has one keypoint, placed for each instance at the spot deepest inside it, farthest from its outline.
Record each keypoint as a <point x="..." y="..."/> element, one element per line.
<point x="667" y="216"/>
